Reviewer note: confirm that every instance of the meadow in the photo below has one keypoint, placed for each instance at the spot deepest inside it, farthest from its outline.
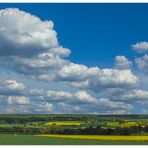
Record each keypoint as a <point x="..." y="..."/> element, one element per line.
<point x="13" y="139"/>
<point x="73" y="129"/>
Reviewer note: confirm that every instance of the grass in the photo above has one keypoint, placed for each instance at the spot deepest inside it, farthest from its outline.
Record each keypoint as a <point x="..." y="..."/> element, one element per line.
<point x="98" y="137"/>
<point x="20" y="125"/>
<point x="11" y="125"/>
<point x="64" y="123"/>
<point x="11" y="139"/>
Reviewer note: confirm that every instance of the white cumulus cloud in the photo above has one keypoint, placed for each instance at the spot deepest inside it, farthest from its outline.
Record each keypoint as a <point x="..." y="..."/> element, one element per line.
<point x="142" y="63"/>
<point x="18" y="100"/>
<point x="29" y="46"/>
<point x="11" y="87"/>
<point x="122" y="62"/>
<point x="140" y="46"/>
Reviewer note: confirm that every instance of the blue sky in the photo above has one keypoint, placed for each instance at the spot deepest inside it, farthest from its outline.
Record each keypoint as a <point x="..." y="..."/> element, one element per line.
<point x="94" y="28"/>
<point x="106" y="36"/>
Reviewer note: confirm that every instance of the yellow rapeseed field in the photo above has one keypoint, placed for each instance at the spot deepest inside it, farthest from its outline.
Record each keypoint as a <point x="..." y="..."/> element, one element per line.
<point x="64" y="123"/>
<point x="97" y="137"/>
<point x="126" y="124"/>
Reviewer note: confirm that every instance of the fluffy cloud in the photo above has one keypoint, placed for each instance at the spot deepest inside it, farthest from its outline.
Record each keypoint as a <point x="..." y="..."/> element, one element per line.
<point x="122" y="62"/>
<point x="78" y="98"/>
<point x="136" y="94"/>
<point x="11" y="87"/>
<point x="95" y="77"/>
<point x="43" y="107"/>
<point x="29" y="46"/>
<point x="54" y="96"/>
<point x="77" y="72"/>
<point x="140" y="46"/>
<point x="13" y="109"/>
<point x="18" y="100"/>
<point x="108" y="78"/>
<point x="35" y="51"/>
<point x="104" y="105"/>
<point x="24" y="34"/>
<point x="114" y="105"/>
<point x="130" y="96"/>
<point x="45" y="98"/>
<point x="142" y="63"/>
<point x="85" y="97"/>
<point x="26" y="106"/>
<point x="60" y="96"/>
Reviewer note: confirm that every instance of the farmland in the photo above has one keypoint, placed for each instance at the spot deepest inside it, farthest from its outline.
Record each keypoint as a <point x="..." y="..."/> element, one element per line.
<point x="125" y="124"/>
<point x="64" y="123"/>
<point x="74" y="129"/>
<point x="11" y="139"/>
<point x="98" y="137"/>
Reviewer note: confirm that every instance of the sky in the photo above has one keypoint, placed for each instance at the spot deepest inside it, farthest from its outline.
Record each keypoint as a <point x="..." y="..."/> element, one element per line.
<point x="74" y="58"/>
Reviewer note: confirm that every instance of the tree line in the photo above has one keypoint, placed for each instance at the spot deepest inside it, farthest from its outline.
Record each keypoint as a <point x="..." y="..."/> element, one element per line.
<point x="76" y="131"/>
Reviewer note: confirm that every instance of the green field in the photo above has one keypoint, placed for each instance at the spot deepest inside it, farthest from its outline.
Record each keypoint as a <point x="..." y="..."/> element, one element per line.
<point x="11" y="139"/>
<point x="73" y="129"/>
<point x="20" y="125"/>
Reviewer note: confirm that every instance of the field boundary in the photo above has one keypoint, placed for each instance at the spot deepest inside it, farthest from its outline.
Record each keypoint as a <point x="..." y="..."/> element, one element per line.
<point x="98" y="137"/>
